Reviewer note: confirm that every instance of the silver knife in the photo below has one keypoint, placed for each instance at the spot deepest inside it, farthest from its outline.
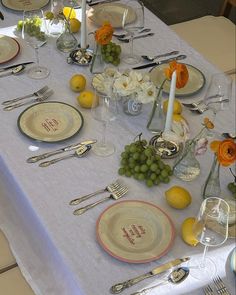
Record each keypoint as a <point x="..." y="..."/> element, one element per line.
<point x="59" y="151"/>
<point x="118" y="288"/>
<point x="153" y="64"/>
<point x="14" y="71"/>
<point x="14" y="66"/>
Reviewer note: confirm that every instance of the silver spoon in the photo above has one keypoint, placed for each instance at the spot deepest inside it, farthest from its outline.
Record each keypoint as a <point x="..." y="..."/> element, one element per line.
<point x="80" y="152"/>
<point x="151" y="58"/>
<point x="175" y="277"/>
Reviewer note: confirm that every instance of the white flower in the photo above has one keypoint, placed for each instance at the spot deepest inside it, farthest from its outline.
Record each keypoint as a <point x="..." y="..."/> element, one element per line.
<point x="147" y="93"/>
<point x="125" y="86"/>
<point x="201" y="146"/>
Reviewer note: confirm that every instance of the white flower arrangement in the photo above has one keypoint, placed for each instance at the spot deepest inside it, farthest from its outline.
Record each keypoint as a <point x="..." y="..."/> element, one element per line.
<point x="125" y="84"/>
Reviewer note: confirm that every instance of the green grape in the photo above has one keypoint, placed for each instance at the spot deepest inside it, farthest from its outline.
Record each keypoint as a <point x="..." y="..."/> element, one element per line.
<point x="166" y="180"/>
<point x="137" y="168"/>
<point x="136" y="156"/>
<point x="121" y="171"/>
<point x="144" y="168"/>
<point x="164" y="173"/>
<point x="141" y="176"/>
<point x="153" y="176"/>
<point x="154" y="167"/>
<point x="128" y="173"/>
<point x="149" y="183"/>
<point x="149" y="162"/>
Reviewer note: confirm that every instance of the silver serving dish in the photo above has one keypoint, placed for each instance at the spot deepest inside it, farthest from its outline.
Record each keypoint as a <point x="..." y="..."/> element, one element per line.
<point x="80" y="57"/>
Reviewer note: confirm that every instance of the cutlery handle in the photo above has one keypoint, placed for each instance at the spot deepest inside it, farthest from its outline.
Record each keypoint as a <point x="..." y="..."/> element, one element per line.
<point x="48" y="163"/>
<point x="146" y="290"/>
<point x="166" y="54"/>
<point x="143" y="36"/>
<point x="14" y="106"/>
<point x="86" y="197"/>
<point x="84" y="209"/>
<point x="7" y="102"/>
<point x="118" y="288"/>
<point x="43" y="156"/>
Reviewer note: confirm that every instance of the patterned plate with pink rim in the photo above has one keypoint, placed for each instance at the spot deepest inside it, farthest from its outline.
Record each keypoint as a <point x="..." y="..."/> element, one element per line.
<point x="135" y="231"/>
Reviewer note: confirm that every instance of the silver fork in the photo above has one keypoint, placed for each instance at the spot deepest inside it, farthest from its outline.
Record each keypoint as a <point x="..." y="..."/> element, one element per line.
<point x="208" y="290"/>
<point x="110" y="188"/>
<point x="201" y="109"/>
<point x="36" y="93"/>
<point x="119" y="193"/>
<point x="220" y="286"/>
<point x="135" y="37"/>
<point x="196" y="103"/>
<point x="38" y="99"/>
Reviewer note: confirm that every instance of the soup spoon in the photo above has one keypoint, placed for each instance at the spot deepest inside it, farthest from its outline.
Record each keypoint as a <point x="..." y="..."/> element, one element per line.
<point x="177" y="276"/>
<point x="80" y="152"/>
<point x="151" y="58"/>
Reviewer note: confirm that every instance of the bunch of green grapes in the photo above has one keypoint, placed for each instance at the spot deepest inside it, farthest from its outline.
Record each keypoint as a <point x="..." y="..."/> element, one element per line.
<point x="111" y="53"/>
<point x="139" y="160"/>
<point x="32" y="27"/>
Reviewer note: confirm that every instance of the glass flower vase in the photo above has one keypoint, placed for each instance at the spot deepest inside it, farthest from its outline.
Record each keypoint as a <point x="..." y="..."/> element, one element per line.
<point x="66" y="42"/>
<point x="211" y="187"/>
<point x="187" y="167"/>
<point x="131" y="106"/>
<point x="97" y="64"/>
<point x="156" y="121"/>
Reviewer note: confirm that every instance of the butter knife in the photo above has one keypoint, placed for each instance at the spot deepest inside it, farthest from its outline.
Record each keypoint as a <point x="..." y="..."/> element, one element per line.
<point x="59" y="151"/>
<point x="153" y="64"/>
<point x="14" y="66"/>
<point x="118" y="288"/>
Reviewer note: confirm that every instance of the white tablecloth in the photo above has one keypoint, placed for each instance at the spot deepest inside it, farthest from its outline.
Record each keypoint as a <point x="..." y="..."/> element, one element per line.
<point x="58" y="252"/>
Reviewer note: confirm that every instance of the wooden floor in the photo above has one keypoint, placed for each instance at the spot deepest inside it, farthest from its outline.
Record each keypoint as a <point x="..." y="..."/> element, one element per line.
<point x="176" y="11"/>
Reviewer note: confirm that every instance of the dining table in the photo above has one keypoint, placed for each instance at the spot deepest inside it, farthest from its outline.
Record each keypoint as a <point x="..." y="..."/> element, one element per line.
<point x="58" y="252"/>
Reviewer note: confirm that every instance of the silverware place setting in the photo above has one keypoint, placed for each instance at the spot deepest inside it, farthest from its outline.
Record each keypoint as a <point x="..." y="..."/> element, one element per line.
<point x="13" y="71"/>
<point x="127" y="40"/>
<point x="201" y="108"/>
<point x="152" y="58"/>
<point x="112" y="187"/>
<point x="115" y="195"/>
<point x="196" y="103"/>
<point x="40" y="98"/>
<point x="14" y="66"/>
<point x="220" y="286"/>
<point x="145" y="30"/>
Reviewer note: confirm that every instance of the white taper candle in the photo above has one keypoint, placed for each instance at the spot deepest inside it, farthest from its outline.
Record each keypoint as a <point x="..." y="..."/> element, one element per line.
<point x="83" y="40"/>
<point x="170" y="103"/>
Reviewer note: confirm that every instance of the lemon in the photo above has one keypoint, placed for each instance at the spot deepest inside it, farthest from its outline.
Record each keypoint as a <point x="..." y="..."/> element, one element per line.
<point x="177" y="108"/>
<point x="74" y="25"/>
<point x="69" y="12"/>
<point x="187" y="231"/>
<point x="86" y="99"/>
<point x="77" y="83"/>
<point x="178" y="197"/>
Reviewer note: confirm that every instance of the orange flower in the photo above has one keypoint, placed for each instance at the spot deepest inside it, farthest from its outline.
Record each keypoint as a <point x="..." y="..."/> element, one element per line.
<point x="181" y="73"/>
<point x="225" y="150"/>
<point x="208" y="124"/>
<point x="104" y="35"/>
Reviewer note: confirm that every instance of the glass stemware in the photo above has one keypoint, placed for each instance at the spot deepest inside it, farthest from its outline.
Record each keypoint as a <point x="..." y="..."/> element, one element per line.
<point x="219" y="93"/>
<point x="104" y="110"/>
<point x="132" y="26"/>
<point x="33" y="32"/>
<point x="211" y="230"/>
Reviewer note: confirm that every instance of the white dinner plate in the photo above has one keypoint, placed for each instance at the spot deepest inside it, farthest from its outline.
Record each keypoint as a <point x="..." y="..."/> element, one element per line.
<point x="112" y="13"/>
<point x="195" y="82"/>
<point x="233" y="260"/>
<point x="21" y="5"/>
<point x="9" y="48"/>
<point x="135" y="231"/>
<point x="50" y="121"/>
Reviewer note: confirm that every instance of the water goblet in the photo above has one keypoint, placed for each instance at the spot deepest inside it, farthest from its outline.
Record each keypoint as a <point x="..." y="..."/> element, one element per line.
<point x="33" y="32"/>
<point x="132" y="26"/>
<point x="211" y="230"/>
<point x="104" y="110"/>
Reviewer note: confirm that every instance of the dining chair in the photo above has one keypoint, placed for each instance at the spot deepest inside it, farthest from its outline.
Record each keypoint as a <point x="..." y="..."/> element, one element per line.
<point x="227" y="7"/>
<point x="12" y="281"/>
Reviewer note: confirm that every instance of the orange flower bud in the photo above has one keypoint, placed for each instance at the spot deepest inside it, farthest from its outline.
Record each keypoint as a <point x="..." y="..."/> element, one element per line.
<point x="181" y="73"/>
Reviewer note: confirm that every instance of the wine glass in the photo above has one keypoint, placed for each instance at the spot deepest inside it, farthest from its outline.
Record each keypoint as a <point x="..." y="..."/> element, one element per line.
<point x="104" y="109"/>
<point x="33" y="32"/>
<point x="219" y="93"/>
<point x="131" y="26"/>
<point x="211" y="230"/>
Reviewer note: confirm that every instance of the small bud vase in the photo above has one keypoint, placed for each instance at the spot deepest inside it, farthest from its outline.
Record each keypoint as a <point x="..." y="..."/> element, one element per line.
<point x="187" y="167"/>
<point x="211" y="187"/>
<point x="66" y="42"/>
<point x="97" y="64"/>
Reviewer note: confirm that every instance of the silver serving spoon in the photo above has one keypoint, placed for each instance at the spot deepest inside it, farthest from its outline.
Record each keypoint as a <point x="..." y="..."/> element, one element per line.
<point x="151" y="58"/>
<point x="175" y="277"/>
<point x="80" y="152"/>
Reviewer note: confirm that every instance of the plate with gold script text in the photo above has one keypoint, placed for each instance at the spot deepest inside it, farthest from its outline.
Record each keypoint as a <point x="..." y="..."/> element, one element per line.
<point x="135" y="231"/>
<point x="21" y="5"/>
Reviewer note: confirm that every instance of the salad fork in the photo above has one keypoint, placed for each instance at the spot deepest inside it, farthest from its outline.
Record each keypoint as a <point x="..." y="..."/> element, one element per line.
<point x="37" y="99"/>
<point x="220" y="286"/>
<point x="208" y="290"/>
<point x="36" y="93"/>
<point x="110" y="188"/>
<point x="117" y="194"/>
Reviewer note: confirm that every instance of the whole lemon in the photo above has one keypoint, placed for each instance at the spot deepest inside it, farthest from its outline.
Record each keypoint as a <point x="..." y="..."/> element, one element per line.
<point x="178" y="197"/>
<point x="87" y="98"/>
<point x="77" y="83"/>
<point x="74" y="25"/>
<point x="177" y="108"/>
<point x="187" y="232"/>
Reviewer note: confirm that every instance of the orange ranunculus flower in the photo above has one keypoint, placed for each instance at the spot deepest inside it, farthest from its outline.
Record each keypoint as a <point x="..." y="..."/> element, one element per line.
<point x="104" y="35"/>
<point x="225" y="150"/>
<point x="181" y="73"/>
<point x="208" y="124"/>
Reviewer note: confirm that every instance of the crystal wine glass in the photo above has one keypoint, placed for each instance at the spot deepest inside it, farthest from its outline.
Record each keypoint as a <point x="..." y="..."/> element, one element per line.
<point x="219" y="93"/>
<point x="211" y="230"/>
<point x="104" y="110"/>
<point x="33" y="32"/>
<point x="131" y="26"/>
